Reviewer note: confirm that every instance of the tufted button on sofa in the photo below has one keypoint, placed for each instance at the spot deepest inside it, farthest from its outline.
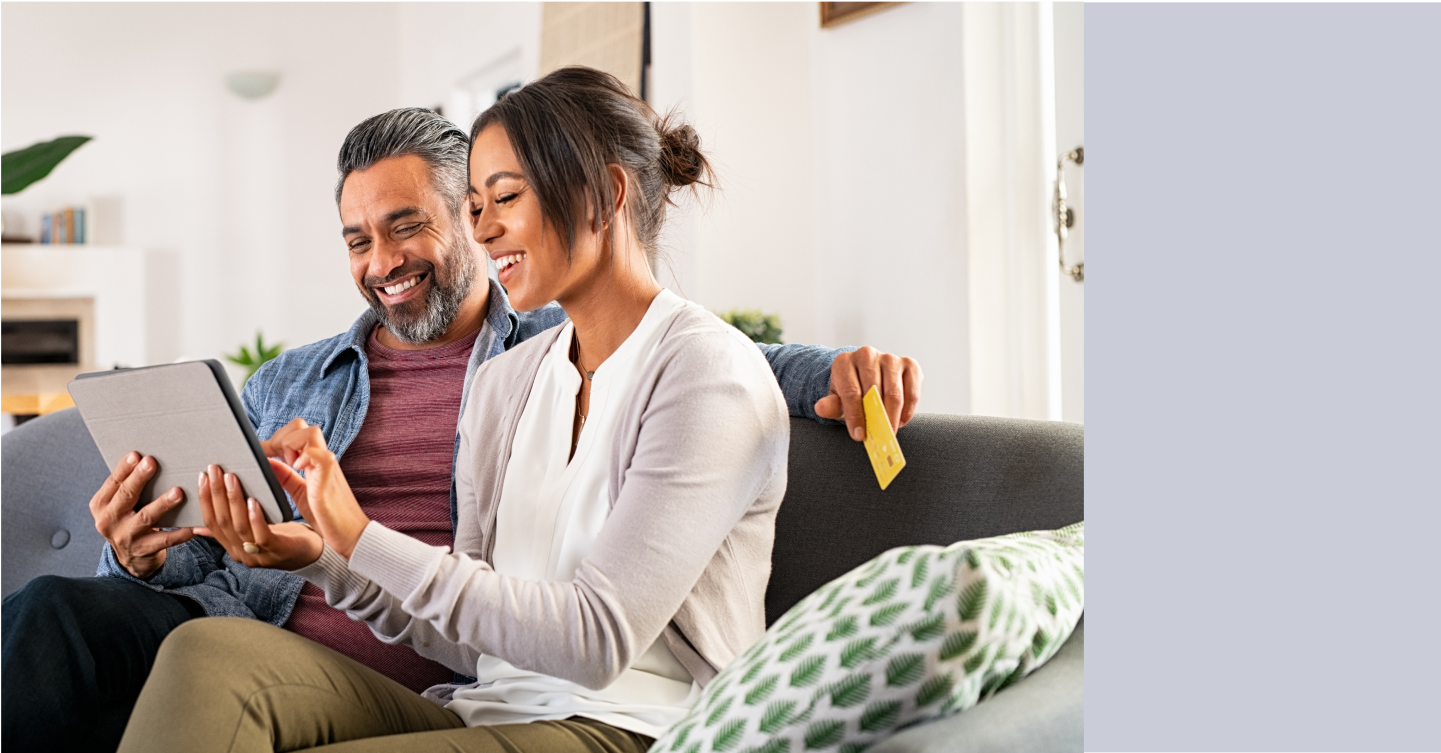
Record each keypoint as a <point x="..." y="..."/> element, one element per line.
<point x="51" y="469"/>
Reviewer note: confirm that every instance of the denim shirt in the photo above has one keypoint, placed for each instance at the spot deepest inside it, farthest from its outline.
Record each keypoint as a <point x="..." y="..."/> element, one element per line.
<point x="328" y="384"/>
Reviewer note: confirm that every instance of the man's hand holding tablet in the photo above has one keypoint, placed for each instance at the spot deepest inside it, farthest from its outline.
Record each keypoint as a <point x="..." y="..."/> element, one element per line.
<point x="139" y="546"/>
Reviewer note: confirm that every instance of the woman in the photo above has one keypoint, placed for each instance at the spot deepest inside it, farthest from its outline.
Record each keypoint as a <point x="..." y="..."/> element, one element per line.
<point x="615" y="518"/>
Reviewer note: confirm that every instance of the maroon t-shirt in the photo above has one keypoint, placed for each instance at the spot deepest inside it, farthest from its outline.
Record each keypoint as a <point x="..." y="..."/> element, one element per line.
<point x="399" y="468"/>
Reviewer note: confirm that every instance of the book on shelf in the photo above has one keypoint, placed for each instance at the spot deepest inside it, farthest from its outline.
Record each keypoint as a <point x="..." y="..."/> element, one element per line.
<point x="63" y="226"/>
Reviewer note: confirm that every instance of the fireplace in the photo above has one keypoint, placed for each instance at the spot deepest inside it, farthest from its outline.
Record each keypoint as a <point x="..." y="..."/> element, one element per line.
<point x="40" y="341"/>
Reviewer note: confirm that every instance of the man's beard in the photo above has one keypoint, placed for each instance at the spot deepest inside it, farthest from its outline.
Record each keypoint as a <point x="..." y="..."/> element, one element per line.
<point x="421" y="320"/>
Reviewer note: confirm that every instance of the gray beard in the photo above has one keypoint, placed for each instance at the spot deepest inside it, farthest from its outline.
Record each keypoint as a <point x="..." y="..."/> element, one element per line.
<point x="450" y="285"/>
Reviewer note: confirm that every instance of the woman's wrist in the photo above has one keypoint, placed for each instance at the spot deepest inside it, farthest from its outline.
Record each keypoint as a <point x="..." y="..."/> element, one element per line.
<point x="346" y="536"/>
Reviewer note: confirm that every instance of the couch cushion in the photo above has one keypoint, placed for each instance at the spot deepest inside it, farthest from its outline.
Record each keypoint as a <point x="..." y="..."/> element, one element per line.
<point x="1043" y="714"/>
<point x="916" y="634"/>
<point x="51" y="469"/>
<point x="966" y="477"/>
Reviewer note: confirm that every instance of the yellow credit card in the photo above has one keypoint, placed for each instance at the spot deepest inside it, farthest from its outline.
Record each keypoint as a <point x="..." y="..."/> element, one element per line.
<point x="881" y="444"/>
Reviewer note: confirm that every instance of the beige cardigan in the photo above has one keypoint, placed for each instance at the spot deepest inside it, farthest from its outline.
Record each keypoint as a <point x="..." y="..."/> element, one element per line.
<point x="698" y="471"/>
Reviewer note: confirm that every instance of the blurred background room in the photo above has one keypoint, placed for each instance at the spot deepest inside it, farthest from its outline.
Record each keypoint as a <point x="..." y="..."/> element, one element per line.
<point x="888" y="173"/>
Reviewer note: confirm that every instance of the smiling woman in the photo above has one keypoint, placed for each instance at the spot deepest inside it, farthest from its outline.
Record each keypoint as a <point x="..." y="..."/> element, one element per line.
<point x="609" y="558"/>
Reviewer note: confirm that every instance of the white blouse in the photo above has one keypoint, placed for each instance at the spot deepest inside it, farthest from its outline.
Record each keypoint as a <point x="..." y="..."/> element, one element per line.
<point x="552" y="508"/>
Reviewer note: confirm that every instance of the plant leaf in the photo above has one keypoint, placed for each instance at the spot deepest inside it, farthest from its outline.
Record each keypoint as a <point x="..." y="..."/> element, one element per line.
<point x="923" y="568"/>
<point x="935" y="689"/>
<point x="797" y="647"/>
<point x="776" y="716"/>
<point x="681" y="738"/>
<point x="858" y="651"/>
<point x="845" y="627"/>
<point x="975" y="662"/>
<point x="851" y="691"/>
<point x="928" y="628"/>
<point x="940" y="587"/>
<point x="718" y="712"/>
<point x="904" y="670"/>
<point x="773" y="745"/>
<point x="883" y="592"/>
<point x="888" y="614"/>
<point x="824" y="734"/>
<point x="729" y="735"/>
<point x="762" y="690"/>
<point x="880" y="716"/>
<point x="972" y="601"/>
<point x="23" y="167"/>
<point x="957" y="644"/>
<point x="972" y="559"/>
<point x="1039" y="642"/>
<point x="808" y="671"/>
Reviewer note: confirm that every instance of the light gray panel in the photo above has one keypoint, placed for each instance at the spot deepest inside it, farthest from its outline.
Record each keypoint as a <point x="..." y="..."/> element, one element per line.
<point x="178" y="415"/>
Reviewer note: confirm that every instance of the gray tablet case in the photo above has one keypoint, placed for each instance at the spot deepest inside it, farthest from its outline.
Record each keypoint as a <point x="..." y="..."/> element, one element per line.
<point x="186" y="416"/>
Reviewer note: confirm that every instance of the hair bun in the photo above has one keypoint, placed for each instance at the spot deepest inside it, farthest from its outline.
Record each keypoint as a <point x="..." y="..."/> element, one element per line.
<point x="681" y="161"/>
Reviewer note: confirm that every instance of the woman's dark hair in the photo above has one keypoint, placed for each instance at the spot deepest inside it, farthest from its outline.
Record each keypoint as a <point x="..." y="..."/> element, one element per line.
<point x="567" y="126"/>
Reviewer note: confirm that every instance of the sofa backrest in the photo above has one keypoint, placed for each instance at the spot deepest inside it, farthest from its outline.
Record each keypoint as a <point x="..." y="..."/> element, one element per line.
<point x="51" y="470"/>
<point x="966" y="477"/>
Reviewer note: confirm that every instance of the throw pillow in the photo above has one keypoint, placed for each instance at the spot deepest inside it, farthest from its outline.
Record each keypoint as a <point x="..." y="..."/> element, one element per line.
<point x="917" y="633"/>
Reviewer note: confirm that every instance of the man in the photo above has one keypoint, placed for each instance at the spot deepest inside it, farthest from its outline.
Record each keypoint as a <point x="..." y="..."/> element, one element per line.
<point x="387" y="395"/>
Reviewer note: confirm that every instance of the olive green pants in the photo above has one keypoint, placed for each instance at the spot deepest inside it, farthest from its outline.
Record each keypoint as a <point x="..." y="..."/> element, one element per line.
<point x="229" y="684"/>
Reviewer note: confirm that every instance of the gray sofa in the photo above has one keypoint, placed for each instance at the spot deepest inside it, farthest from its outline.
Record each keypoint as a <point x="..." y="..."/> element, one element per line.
<point x="966" y="477"/>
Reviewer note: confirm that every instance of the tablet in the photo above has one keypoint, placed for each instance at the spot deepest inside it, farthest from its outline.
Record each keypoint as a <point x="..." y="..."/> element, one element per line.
<point x="187" y="416"/>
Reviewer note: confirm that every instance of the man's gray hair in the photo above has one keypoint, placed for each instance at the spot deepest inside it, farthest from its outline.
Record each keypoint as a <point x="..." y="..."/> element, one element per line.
<point x="411" y="130"/>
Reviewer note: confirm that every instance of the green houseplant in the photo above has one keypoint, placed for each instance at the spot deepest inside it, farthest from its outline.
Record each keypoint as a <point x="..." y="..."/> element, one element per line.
<point x="761" y="328"/>
<point x="252" y="361"/>
<point x="23" y="167"/>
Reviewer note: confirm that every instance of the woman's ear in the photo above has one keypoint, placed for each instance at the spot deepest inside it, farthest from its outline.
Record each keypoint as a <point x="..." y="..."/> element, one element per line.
<point x="619" y="186"/>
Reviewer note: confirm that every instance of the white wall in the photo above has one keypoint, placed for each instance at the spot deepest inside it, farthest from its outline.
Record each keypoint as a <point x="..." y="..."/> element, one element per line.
<point x="234" y="197"/>
<point x="441" y="43"/>
<point x="842" y="155"/>
<point x="842" y="174"/>
<point x="890" y="225"/>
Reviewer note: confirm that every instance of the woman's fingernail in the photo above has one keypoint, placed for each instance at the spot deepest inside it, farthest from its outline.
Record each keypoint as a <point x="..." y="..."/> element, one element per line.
<point x="252" y="504"/>
<point x="204" y="479"/>
<point x="230" y="481"/>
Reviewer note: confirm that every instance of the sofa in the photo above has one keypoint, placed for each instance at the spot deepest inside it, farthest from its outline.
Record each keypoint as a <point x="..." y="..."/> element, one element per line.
<point x="966" y="477"/>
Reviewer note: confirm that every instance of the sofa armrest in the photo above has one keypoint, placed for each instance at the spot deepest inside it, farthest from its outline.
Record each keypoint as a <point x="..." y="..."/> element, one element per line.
<point x="1043" y="713"/>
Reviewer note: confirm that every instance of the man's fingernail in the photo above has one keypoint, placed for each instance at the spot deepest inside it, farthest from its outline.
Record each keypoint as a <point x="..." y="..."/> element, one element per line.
<point x="858" y="434"/>
<point x="132" y="458"/>
<point x="146" y="463"/>
<point x="174" y="494"/>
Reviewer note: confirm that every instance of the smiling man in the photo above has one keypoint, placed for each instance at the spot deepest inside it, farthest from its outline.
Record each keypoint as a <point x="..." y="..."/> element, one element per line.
<point x="387" y="394"/>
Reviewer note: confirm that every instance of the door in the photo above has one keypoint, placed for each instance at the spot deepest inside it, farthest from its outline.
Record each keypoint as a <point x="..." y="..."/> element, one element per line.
<point x="1071" y="133"/>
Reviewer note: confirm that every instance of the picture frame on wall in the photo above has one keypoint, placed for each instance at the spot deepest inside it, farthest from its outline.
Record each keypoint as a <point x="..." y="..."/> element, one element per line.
<point x="835" y="14"/>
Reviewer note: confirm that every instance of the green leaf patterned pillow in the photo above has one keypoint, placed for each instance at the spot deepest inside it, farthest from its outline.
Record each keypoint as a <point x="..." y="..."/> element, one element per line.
<point x="917" y="633"/>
